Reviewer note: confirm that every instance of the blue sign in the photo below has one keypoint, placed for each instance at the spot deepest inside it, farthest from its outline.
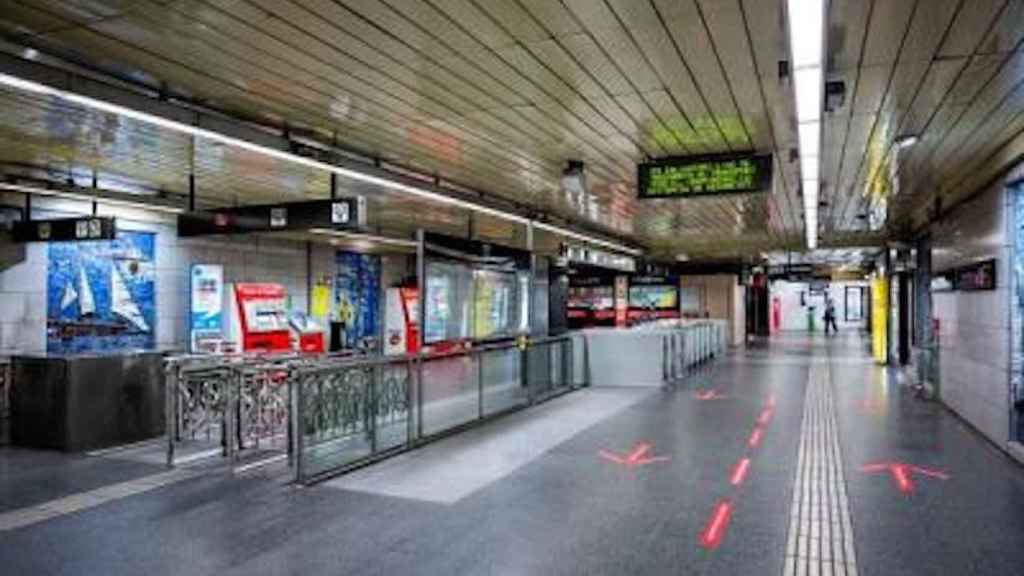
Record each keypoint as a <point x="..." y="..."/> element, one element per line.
<point x="101" y="294"/>
<point x="357" y="295"/>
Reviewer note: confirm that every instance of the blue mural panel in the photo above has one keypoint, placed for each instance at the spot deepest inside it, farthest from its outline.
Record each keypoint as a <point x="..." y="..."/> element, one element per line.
<point x="357" y="295"/>
<point x="101" y="294"/>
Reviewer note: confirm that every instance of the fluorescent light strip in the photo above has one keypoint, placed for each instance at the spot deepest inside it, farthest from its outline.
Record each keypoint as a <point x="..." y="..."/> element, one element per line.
<point x="117" y="109"/>
<point x="806" y="41"/>
<point x="362" y="236"/>
<point x="154" y="207"/>
<point x="583" y="237"/>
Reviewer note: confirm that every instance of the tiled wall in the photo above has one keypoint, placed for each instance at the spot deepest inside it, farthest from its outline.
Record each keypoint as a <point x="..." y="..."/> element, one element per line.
<point x="974" y="327"/>
<point x="246" y="258"/>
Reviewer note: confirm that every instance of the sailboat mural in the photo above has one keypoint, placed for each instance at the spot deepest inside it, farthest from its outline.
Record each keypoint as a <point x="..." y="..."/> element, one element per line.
<point x="101" y="294"/>
<point x="87" y="304"/>
<point x="121" y="302"/>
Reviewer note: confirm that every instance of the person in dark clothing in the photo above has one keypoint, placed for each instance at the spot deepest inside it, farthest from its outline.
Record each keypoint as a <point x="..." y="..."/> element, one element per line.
<point x="830" y="316"/>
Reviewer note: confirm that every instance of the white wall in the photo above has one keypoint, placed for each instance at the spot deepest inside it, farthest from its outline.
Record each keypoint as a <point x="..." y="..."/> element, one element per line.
<point x="794" y="315"/>
<point x="244" y="258"/>
<point x="974" y="327"/>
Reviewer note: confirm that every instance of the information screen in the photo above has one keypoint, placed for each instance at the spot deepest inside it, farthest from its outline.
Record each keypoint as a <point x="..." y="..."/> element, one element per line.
<point x="659" y="297"/>
<point x="683" y="177"/>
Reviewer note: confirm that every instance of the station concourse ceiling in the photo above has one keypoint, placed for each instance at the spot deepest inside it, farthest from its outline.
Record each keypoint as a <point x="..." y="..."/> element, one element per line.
<point x="498" y="95"/>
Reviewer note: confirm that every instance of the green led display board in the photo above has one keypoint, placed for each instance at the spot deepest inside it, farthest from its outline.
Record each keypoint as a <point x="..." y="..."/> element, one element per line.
<point x="687" y="176"/>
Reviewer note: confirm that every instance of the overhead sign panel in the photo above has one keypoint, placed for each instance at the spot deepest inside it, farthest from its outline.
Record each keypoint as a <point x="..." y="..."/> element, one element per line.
<point x="65" y="229"/>
<point x="340" y="213"/>
<point x="688" y="176"/>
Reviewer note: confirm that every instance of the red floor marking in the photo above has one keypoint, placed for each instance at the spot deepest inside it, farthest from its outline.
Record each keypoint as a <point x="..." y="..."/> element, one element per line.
<point x="771" y="401"/>
<point x="755" y="437"/>
<point x="717" y="524"/>
<point x="708" y="395"/>
<point x="765" y="416"/>
<point x="739" y="473"/>
<point x="636" y="457"/>
<point x="902" y="473"/>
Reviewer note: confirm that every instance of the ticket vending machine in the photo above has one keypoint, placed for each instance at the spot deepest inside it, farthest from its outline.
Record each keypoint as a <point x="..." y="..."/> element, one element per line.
<point x="308" y="335"/>
<point x="256" y="317"/>
<point x="401" y="327"/>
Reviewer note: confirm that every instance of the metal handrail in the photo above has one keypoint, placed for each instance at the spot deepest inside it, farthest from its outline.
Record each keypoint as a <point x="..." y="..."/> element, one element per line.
<point x="338" y="406"/>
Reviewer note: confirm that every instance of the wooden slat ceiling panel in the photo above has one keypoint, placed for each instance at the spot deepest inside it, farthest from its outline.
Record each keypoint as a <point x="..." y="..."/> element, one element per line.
<point x="212" y="90"/>
<point x="500" y="94"/>
<point x="925" y="33"/>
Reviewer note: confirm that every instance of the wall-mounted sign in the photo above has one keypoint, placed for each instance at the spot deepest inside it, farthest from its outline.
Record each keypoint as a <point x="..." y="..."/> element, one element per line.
<point x="278" y="217"/>
<point x="340" y="213"/>
<point x="686" y="176"/>
<point x="207" y="303"/>
<point x="977" y="276"/>
<point x="585" y="255"/>
<point x="65" y="229"/>
<point x="275" y="217"/>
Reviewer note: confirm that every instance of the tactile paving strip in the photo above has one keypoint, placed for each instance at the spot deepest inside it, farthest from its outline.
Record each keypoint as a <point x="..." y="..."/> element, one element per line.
<point x="820" y="537"/>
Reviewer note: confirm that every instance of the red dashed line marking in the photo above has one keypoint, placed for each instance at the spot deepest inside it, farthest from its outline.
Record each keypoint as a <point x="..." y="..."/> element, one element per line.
<point x="755" y="437"/>
<point x="739" y="473"/>
<point x="717" y="524"/>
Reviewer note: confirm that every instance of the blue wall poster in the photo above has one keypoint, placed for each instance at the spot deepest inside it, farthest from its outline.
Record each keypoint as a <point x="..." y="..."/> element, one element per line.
<point x="357" y="295"/>
<point x="101" y="294"/>
<point x="206" y="296"/>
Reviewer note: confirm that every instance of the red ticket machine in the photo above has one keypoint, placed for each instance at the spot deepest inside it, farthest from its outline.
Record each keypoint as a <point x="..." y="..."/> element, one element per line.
<point x="256" y="317"/>
<point x="308" y="335"/>
<point x="401" y="325"/>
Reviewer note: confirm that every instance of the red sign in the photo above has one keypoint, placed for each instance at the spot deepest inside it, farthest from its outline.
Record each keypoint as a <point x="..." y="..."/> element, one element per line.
<point x="259" y="290"/>
<point x="902" y="473"/>
<point x="636" y="457"/>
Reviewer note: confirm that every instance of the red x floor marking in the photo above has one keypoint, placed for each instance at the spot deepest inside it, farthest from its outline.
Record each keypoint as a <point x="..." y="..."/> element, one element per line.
<point x="902" y="473"/>
<point x="638" y="456"/>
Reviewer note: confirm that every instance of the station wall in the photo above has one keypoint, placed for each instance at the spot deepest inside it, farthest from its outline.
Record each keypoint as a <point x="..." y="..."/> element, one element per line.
<point x="974" y="327"/>
<point x="23" y="276"/>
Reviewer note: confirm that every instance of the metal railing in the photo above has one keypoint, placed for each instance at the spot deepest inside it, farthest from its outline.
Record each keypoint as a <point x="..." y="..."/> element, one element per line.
<point x="349" y="414"/>
<point x="689" y="346"/>
<point x="327" y="414"/>
<point x="244" y="398"/>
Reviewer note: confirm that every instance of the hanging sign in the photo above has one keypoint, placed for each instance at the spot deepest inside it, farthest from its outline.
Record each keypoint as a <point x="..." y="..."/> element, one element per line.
<point x="687" y="176"/>
<point x="65" y="229"/>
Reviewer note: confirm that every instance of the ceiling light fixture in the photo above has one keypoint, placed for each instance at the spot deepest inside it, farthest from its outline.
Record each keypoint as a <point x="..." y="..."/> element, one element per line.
<point x="906" y="141"/>
<point x="363" y="237"/>
<point x="807" y="47"/>
<point x="111" y="108"/>
<point x="100" y="198"/>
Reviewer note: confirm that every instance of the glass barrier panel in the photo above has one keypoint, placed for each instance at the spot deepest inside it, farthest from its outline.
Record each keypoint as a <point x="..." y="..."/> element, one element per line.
<point x="391" y="405"/>
<point x="501" y="375"/>
<point x="336" y="426"/>
<point x="450" y="393"/>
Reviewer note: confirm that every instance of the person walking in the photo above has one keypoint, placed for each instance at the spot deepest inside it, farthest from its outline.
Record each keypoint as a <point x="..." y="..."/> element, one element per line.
<point x="830" y="316"/>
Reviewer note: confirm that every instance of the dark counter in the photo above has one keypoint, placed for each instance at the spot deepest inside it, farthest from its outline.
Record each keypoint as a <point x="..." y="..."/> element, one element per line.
<point x="87" y="402"/>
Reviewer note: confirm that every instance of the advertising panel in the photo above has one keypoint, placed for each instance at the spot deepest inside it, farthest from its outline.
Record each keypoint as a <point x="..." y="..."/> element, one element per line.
<point x="357" y="295"/>
<point x="206" y="315"/>
<point x="101" y="294"/>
